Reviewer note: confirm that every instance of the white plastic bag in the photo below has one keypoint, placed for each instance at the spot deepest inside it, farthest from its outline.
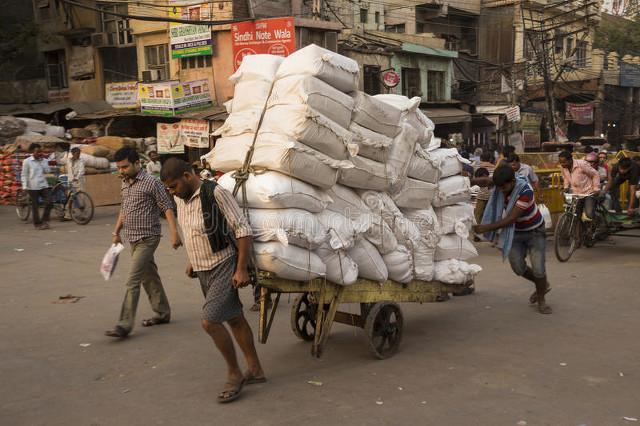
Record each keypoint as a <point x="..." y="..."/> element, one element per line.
<point x="546" y="214"/>
<point x="454" y="271"/>
<point x="110" y="260"/>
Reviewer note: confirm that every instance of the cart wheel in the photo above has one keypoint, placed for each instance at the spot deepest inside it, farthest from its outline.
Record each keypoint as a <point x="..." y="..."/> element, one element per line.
<point x="384" y="329"/>
<point x="23" y="205"/>
<point x="303" y="318"/>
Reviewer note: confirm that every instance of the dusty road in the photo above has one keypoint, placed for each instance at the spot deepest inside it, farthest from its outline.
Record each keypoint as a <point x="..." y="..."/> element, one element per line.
<point x="484" y="359"/>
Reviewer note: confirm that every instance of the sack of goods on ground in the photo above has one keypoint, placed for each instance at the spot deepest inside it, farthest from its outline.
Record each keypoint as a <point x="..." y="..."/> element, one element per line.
<point x="341" y="184"/>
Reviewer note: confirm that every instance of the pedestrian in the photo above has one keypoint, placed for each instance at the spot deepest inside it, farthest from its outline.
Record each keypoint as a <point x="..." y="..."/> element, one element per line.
<point x="475" y="158"/>
<point x="512" y="210"/>
<point x="625" y="170"/>
<point x="153" y="165"/>
<point x="507" y="151"/>
<point x="218" y="244"/>
<point x="144" y="198"/>
<point x="483" y="195"/>
<point x="527" y="172"/>
<point x="580" y="178"/>
<point x="75" y="168"/>
<point x="34" y="169"/>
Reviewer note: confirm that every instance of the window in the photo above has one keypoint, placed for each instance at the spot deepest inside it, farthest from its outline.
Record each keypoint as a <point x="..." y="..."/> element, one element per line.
<point x="532" y="45"/>
<point x="372" y="79"/>
<point x="581" y="54"/>
<point x="558" y="43"/>
<point x="399" y="28"/>
<point x="364" y="16"/>
<point x="157" y="58"/>
<point x="56" y="69"/>
<point x="377" y="17"/>
<point x="195" y="62"/>
<point x="452" y="43"/>
<point x="569" y="51"/>
<point x="411" y="82"/>
<point x="435" y="85"/>
<point x="118" y="29"/>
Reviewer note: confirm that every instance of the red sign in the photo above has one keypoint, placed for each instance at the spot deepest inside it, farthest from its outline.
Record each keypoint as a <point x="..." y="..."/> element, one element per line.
<point x="390" y="78"/>
<point x="275" y="36"/>
<point x="580" y="113"/>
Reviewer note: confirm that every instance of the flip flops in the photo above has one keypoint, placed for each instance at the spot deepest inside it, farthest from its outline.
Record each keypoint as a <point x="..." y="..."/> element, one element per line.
<point x="150" y="322"/>
<point x="250" y="379"/>
<point x="117" y="331"/>
<point x="231" y="392"/>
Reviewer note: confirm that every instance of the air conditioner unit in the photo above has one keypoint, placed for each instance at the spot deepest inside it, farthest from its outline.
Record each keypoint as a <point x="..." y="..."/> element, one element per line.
<point x="151" y="75"/>
<point x="100" y="40"/>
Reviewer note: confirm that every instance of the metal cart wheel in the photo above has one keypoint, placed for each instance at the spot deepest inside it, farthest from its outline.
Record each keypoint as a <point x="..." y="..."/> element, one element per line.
<point x="303" y="318"/>
<point x="383" y="326"/>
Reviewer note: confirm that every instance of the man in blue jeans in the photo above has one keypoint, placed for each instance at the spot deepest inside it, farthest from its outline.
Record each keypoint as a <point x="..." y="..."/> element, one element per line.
<point x="512" y="210"/>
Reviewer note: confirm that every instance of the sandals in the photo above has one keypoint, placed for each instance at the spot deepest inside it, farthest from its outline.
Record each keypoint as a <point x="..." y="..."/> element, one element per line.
<point x="150" y="322"/>
<point x="117" y="331"/>
<point x="533" y="299"/>
<point x="231" y="391"/>
<point x="250" y="379"/>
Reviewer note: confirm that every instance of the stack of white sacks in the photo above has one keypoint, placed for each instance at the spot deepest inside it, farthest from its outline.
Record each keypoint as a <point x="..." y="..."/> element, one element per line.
<point x="342" y="185"/>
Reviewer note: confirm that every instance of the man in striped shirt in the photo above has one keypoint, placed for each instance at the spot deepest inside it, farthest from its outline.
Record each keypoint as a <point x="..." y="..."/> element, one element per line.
<point x="217" y="238"/>
<point x="529" y="237"/>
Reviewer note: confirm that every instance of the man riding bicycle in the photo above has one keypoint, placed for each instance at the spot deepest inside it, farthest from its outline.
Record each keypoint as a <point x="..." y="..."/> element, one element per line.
<point x="579" y="178"/>
<point x="625" y="171"/>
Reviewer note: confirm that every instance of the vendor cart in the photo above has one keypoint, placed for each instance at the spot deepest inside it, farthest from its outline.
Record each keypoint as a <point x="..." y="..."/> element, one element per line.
<point x="316" y="308"/>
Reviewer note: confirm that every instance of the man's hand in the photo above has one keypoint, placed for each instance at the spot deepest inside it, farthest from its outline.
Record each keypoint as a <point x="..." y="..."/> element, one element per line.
<point x="480" y="229"/>
<point x="241" y="278"/>
<point x="189" y="271"/>
<point x="116" y="238"/>
<point x="176" y="242"/>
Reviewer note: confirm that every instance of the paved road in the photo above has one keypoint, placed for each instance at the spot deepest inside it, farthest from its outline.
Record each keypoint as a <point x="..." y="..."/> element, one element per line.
<point x="485" y="359"/>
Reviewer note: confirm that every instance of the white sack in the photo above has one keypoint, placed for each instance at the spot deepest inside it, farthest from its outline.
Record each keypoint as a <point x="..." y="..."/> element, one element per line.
<point x="427" y="223"/>
<point x="240" y="122"/>
<point x="367" y="174"/>
<point x="399" y="264"/>
<point x="454" y="271"/>
<point x="423" y="261"/>
<point x="452" y="246"/>
<point x="253" y="81"/>
<point x="318" y="95"/>
<point x="288" y="262"/>
<point x="421" y="167"/>
<point x="302" y="123"/>
<point x="371" y="145"/>
<point x="95" y="162"/>
<point x="287" y="226"/>
<point x="371" y="266"/>
<point x="273" y="190"/>
<point x="250" y="94"/>
<point x="33" y="125"/>
<point x="335" y="69"/>
<point x="452" y="190"/>
<point x="412" y="115"/>
<point x="415" y="194"/>
<point x="448" y="161"/>
<point x="341" y="269"/>
<point x="257" y="67"/>
<point x="403" y="229"/>
<point x="402" y="150"/>
<point x="341" y="230"/>
<point x="456" y="219"/>
<point x="57" y="131"/>
<point x="376" y="115"/>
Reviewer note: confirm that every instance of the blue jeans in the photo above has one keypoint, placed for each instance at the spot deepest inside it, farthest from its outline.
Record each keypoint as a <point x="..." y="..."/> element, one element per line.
<point x="533" y="244"/>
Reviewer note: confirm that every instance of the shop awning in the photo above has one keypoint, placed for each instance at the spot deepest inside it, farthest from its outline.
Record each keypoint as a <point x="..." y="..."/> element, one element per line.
<point x="447" y="115"/>
<point x="51" y="108"/>
<point x="214" y="113"/>
<point x="492" y="109"/>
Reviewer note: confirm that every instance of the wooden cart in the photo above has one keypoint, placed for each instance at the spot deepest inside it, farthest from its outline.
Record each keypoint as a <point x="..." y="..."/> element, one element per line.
<point x="316" y="308"/>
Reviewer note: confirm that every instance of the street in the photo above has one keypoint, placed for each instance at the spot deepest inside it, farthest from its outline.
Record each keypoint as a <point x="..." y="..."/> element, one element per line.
<point x="483" y="359"/>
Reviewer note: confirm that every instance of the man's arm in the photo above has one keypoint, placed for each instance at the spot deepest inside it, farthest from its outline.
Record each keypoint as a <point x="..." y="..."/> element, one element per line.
<point x="609" y="184"/>
<point x="116" y="231"/>
<point x="241" y="276"/>
<point x="81" y="170"/>
<point x="632" y="198"/>
<point x="516" y="212"/>
<point x="593" y="175"/>
<point x="535" y="182"/>
<point x="566" y="178"/>
<point x="24" y="176"/>
<point x="173" y="228"/>
<point x="164" y="204"/>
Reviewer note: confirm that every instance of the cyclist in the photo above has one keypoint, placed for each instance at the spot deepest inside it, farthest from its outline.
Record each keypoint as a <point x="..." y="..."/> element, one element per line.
<point x="625" y="171"/>
<point x="580" y="178"/>
<point x="75" y="170"/>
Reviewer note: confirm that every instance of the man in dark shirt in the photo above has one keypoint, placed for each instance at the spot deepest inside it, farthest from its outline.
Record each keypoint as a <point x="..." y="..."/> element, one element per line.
<point x="625" y="171"/>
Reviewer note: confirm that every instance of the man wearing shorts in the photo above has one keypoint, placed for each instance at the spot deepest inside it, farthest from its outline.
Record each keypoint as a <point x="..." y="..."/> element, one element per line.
<point x="217" y="238"/>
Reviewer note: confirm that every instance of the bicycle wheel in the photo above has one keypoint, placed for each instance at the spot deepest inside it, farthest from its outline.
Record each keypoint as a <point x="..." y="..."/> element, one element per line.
<point x="81" y="208"/>
<point x="23" y="205"/>
<point x="566" y="237"/>
<point x="58" y="199"/>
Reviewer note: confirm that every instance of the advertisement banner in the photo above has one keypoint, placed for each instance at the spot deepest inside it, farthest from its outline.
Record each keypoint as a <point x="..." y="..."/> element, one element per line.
<point x="194" y="133"/>
<point x="275" y="36"/>
<point x="172" y="98"/>
<point x="580" y="113"/>
<point x="168" y="138"/>
<point x="122" y="95"/>
<point x="513" y="113"/>
<point x="530" y="125"/>
<point x="190" y="40"/>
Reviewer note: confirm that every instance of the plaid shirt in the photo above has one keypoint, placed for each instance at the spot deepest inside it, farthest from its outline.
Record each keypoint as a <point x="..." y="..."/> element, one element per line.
<point x="142" y="202"/>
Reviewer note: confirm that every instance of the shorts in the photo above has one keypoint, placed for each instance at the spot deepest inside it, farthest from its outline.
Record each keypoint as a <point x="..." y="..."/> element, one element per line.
<point x="222" y="302"/>
<point x="532" y="244"/>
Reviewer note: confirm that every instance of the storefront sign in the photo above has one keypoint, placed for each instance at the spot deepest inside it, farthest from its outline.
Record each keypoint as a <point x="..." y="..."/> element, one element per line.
<point x="390" y="78"/>
<point x="190" y="40"/>
<point x="122" y="95"/>
<point x="275" y="36"/>
<point x="530" y="125"/>
<point x="580" y="113"/>
<point x="629" y="74"/>
<point x="173" y="97"/>
<point x="168" y="137"/>
<point x="194" y="133"/>
<point x="513" y="113"/>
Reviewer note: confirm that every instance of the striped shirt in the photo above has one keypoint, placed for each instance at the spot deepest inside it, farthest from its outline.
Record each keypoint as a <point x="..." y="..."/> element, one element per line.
<point x="142" y="202"/>
<point x="485" y="192"/>
<point x="194" y="235"/>
<point x="531" y="218"/>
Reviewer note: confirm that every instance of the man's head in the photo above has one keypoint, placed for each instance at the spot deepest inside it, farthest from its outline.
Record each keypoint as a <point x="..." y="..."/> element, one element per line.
<point x="565" y="159"/>
<point x="128" y="162"/>
<point x="481" y="172"/>
<point x="36" y="150"/>
<point x="592" y="159"/>
<point x="514" y="162"/>
<point x="153" y="156"/>
<point x="486" y="156"/>
<point x="75" y="153"/>
<point x="504" y="178"/>
<point x="624" y="164"/>
<point x="602" y="157"/>
<point x="588" y="149"/>
<point x="507" y="150"/>
<point x="178" y="176"/>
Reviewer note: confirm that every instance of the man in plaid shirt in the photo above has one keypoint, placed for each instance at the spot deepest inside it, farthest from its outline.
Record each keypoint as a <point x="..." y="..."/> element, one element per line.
<point x="144" y="198"/>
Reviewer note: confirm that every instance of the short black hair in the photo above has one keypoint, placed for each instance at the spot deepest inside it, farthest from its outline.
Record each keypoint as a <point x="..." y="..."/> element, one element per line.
<point x="481" y="172"/>
<point x="565" y="154"/>
<point x="508" y="150"/>
<point x="588" y="149"/>
<point x="625" y="162"/>
<point x="486" y="156"/>
<point x="502" y="175"/>
<point x="513" y="157"/>
<point x="34" y="146"/>
<point x="153" y="151"/>
<point x="174" y="168"/>
<point x="126" y="153"/>
<point x="75" y="149"/>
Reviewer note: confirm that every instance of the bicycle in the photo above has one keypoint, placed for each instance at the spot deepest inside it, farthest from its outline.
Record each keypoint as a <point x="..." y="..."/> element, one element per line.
<point x="78" y="203"/>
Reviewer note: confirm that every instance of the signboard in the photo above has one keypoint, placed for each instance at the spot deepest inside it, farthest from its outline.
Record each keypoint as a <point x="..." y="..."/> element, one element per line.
<point x="390" y="78"/>
<point x="513" y="113"/>
<point x="580" y="113"/>
<point x="190" y="40"/>
<point x="275" y="36"/>
<point x="629" y="74"/>
<point x="168" y="138"/>
<point x="122" y="95"/>
<point x="530" y="125"/>
<point x="194" y="133"/>
<point x="172" y="98"/>
<point x="81" y="63"/>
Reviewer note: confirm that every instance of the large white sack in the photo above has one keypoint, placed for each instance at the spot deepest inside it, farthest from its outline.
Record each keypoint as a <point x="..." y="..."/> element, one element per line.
<point x="414" y="194"/>
<point x="250" y="94"/>
<point x="95" y="162"/>
<point x="367" y="174"/>
<point x="341" y="269"/>
<point x="238" y="123"/>
<point x="288" y="226"/>
<point x="288" y="262"/>
<point x="273" y="190"/>
<point x="421" y="167"/>
<point x="56" y="131"/>
<point x="335" y="69"/>
<point x="452" y="190"/>
<point x="452" y="246"/>
<point x="341" y="230"/>
<point x="33" y="125"/>
<point x="456" y="219"/>
<point x="402" y="150"/>
<point x="311" y="91"/>
<point x="427" y="223"/>
<point x="257" y="67"/>
<point x="399" y="264"/>
<point x="371" y="145"/>
<point x="454" y="271"/>
<point x="448" y="161"/>
<point x="423" y="260"/>
<point x="375" y="115"/>
<point x="412" y="115"/>
<point x="302" y="123"/>
<point x="370" y="263"/>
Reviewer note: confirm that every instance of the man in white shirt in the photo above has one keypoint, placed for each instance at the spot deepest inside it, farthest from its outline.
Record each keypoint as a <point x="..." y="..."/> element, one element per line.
<point x="34" y="181"/>
<point x="526" y="171"/>
<point x="154" y="166"/>
<point x="75" y="170"/>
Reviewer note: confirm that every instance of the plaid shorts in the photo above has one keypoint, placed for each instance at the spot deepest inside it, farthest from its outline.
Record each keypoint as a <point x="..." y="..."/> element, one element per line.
<point x="222" y="302"/>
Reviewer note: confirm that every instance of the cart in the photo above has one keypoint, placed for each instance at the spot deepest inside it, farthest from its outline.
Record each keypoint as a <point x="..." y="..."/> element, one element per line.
<point x="316" y="308"/>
